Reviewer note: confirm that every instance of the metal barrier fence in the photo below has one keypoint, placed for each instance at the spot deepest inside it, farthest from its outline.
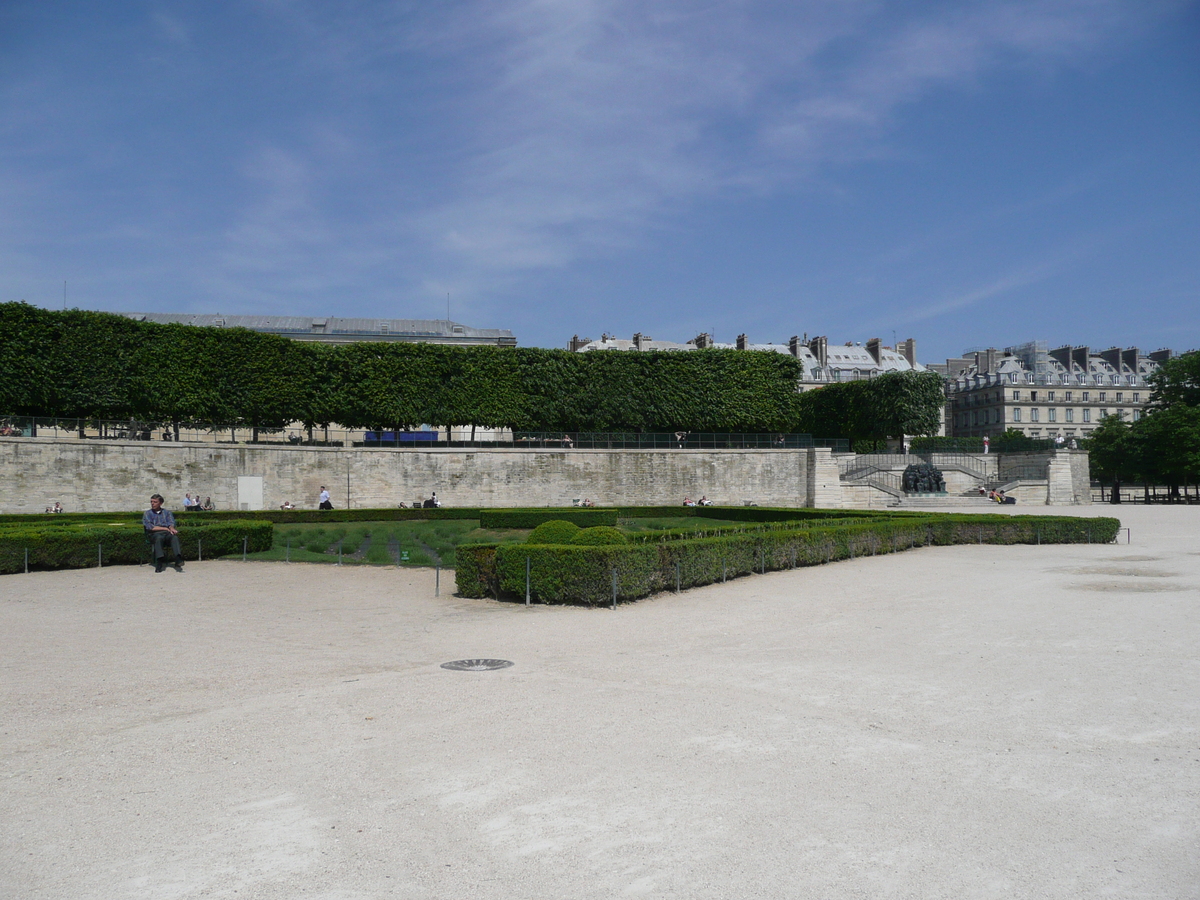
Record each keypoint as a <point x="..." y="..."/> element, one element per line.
<point x="193" y="432"/>
<point x="680" y="440"/>
<point x="335" y="436"/>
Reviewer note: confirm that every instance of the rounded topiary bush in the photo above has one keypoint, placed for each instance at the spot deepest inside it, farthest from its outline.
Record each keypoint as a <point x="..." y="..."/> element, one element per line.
<point x="556" y="531"/>
<point x="599" y="536"/>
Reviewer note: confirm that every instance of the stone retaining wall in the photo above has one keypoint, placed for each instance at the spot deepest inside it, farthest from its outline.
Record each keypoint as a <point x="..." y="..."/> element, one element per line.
<point x="102" y="475"/>
<point x="94" y="475"/>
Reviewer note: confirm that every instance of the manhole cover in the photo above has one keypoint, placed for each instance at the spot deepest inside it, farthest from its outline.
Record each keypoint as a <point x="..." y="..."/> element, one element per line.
<point x="477" y="665"/>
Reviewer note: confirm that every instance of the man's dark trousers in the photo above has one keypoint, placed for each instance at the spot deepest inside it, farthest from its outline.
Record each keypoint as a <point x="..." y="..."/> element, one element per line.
<point x="159" y="538"/>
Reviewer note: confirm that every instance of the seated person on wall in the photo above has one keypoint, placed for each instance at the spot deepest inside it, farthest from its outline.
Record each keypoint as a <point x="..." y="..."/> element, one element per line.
<point x="159" y="524"/>
<point x="208" y="505"/>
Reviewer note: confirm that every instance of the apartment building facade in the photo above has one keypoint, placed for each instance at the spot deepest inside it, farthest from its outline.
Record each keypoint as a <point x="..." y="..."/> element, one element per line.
<point x="1046" y="393"/>
<point x="821" y="362"/>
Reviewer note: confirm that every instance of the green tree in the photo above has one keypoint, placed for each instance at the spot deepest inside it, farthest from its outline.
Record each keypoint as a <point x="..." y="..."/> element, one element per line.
<point x="28" y="336"/>
<point x="888" y="406"/>
<point x="1112" y="454"/>
<point x="1176" y="381"/>
<point x="1167" y="446"/>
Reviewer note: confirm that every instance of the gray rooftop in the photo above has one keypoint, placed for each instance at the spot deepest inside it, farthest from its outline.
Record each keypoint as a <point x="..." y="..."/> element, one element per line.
<point x="329" y="328"/>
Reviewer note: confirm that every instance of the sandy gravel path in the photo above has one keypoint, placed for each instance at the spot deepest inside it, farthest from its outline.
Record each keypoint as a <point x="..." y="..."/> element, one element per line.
<point x="966" y="722"/>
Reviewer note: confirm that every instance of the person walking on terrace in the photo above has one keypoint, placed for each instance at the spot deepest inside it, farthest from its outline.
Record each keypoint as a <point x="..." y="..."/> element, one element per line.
<point x="159" y="524"/>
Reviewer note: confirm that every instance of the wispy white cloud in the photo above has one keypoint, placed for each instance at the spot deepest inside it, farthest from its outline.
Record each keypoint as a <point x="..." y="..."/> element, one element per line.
<point x="594" y="121"/>
<point x="390" y="150"/>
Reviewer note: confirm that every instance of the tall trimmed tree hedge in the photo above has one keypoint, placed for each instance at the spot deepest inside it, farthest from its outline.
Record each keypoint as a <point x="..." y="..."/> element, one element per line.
<point x="99" y="365"/>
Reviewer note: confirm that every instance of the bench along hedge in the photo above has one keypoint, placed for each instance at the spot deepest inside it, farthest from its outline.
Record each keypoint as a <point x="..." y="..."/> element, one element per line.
<point x="84" y="546"/>
<point x="575" y="574"/>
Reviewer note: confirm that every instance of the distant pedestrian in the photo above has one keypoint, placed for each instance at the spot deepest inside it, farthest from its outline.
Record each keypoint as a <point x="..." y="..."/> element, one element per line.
<point x="324" y="501"/>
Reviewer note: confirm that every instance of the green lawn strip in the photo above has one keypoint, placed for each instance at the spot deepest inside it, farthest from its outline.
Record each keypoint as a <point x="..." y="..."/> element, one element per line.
<point x="427" y="543"/>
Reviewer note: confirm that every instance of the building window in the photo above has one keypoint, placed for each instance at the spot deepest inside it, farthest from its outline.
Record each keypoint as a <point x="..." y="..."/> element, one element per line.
<point x="1087" y="415"/>
<point x="1050" y="395"/>
<point x="1068" y="396"/>
<point x="1137" y="414"/>
<point x="1012" y="377"/>
<point x="1103" y="413"/>
<point x="1016" y="395"/>
<point x="1033" y="396"/>
<point x="1137" y="398"/>
<point x="1120" y="396"/>
<point x="1017" y="414"/>
<point x="1070" y="415"/>
<point x="1033" y="415"/>
<point x="1052" y="415"/>
<point x="1103" y="396"/>
<point x="1087" y="395"/>
<point x="975" y="417"/>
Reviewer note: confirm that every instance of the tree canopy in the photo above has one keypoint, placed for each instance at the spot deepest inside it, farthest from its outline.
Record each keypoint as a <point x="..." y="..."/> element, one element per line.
<point x="105" y="366"/>
<point x="887" y="406"/>
<point x="1163" y="446"/>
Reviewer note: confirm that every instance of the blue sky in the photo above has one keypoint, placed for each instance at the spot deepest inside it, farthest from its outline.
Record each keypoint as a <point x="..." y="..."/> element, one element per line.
<point x="965" y="173"/>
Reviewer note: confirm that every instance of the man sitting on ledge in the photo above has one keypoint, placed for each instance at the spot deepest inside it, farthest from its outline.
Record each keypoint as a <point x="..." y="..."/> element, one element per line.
<point x="160" y="525"/>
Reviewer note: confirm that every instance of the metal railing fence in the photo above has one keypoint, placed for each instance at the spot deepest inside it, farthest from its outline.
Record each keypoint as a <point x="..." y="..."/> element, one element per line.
<point x="336" y="436"/>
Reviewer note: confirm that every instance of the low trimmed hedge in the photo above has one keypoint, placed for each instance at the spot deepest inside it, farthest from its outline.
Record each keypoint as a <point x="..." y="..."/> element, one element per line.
<point x="556" y="531"/>
<point x="532" y="518"/>
<point x="576" y="574"/>
<point x="780" y="514"/>
<point x="278" y="516"/>
<point x="599" y="536"/>
<point x="559" y="574"/>
<point x="84" y="546"/>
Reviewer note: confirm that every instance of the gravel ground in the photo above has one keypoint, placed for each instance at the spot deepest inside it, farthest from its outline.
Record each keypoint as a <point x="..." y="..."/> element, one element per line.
<point x="958" y="722"/>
